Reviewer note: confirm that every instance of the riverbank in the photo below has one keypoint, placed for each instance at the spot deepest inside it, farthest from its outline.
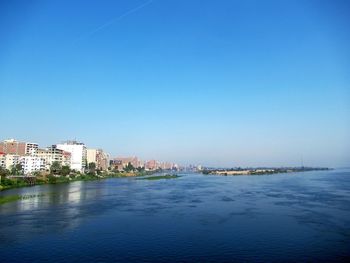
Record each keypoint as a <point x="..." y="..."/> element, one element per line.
<point x="10" y="183"/>
<point x="13" y="198"/>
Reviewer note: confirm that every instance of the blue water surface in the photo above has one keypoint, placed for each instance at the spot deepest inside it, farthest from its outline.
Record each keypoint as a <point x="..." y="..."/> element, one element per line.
<point x="195" y="218"/>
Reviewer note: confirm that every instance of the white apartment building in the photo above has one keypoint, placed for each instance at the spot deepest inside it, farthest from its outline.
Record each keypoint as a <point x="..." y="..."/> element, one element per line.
<point x="78" y="154"/>
<point x="29" y="163"/>
<point x="11" y="160"/>
<point x="32" y="164"/>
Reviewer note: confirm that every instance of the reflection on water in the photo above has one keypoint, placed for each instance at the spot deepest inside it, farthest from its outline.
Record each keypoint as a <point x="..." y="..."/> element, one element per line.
<point x="293" y="217"/>
<point x="56" y="207"/>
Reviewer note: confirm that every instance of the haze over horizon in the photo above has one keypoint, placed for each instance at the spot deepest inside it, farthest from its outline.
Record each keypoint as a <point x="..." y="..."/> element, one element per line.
<point x="228" y="83"/>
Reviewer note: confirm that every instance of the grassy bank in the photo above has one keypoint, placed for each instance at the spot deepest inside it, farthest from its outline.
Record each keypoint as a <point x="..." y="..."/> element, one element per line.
<point x="13" y="198"/>
<point x="160" y="177"/>
<point x="7" y="199"/>
<point x="10" y="183"/>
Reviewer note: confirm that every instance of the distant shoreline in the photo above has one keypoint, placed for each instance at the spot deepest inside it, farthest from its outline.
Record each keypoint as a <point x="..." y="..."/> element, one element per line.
<point x="19" y="183"/>
<point x="260" y="171"/>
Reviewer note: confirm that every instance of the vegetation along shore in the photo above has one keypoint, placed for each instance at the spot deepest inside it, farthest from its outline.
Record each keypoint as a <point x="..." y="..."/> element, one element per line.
<point x="63" y="174"/>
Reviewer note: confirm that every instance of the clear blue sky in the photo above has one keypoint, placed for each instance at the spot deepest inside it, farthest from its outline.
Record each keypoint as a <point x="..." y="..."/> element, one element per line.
<point x="227" y="83"/>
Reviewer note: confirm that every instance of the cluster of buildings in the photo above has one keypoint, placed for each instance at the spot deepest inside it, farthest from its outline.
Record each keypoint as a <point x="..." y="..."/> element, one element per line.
<point x="69" y="153"/>
<point x="119" y="163"/>
<point x="32" y="158"/>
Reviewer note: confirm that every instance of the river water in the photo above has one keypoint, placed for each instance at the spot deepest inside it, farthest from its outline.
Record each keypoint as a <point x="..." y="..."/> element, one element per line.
<point x="194" y="218"/>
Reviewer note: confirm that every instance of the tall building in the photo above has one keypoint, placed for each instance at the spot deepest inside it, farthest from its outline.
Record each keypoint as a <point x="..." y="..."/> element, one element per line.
<point x="99" y="157"/>
<point x="78" y="154"/>
<point x="19" y="148"/>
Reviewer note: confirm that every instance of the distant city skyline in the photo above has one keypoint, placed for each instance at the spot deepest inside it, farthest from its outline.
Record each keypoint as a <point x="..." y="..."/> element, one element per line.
<point x="228" y="83"/>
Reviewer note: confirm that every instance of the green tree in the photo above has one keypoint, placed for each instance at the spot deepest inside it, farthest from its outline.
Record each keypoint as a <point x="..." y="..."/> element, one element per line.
<point x="19" y="167"/>
<point x="16" y="169"/>
<point x="4" y="172"/>
<point x="92" y="168"/>
<point x="55" y="168"/>
<point x="129" y="167"/>
<point x="65" y="170"/>
<point x="13" y="170"/>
